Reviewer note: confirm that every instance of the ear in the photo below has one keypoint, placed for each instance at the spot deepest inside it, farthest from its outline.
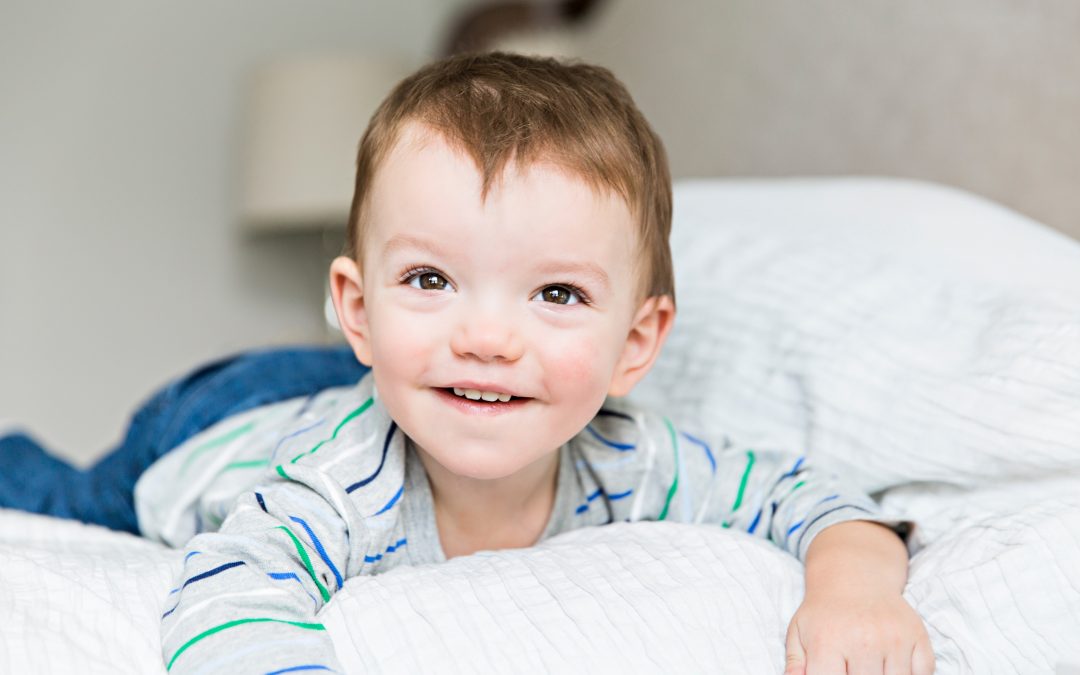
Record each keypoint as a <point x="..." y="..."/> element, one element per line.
<point x="647" y="334"/>
<point x="347" y="291"/>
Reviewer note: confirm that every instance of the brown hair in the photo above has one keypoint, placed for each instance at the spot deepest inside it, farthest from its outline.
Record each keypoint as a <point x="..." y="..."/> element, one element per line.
<point x="501" y="107"/>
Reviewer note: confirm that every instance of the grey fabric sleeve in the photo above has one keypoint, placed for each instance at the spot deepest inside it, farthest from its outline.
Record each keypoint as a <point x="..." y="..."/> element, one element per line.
<point x="774" y="494"/>
<point x="249" y="593"/>
<point x="789" y="500"/>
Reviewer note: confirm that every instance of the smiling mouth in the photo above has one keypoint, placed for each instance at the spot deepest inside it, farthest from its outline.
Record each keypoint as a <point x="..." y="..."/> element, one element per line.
<point x="476" y="404"/>
<point x="450" y="391"/>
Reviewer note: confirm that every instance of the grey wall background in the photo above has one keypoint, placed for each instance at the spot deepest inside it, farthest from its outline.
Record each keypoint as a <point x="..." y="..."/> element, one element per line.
<point x="982" y="95"/>
<point x="121" y="260"/>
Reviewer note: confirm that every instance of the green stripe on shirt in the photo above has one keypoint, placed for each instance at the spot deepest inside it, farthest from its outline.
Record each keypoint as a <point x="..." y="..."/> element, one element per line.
<point x="215" y="442"/>
<point x="307" y="562"/>
<point x="218" y="629"/>
<point x="742" y="485"/>
<point x="745" y="479"/>
<point x="255" y="463"/>
<point x="356" y="413"/>
<point x="675" y="483"/>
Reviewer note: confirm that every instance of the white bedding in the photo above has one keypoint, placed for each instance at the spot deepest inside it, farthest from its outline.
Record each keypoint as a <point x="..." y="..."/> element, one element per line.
<point x="960" y="401"/>
<point x="999" y="596"/>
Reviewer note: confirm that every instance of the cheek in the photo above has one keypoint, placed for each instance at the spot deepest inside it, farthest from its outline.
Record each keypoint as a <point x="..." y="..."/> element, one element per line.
<point x="400" y="343"/>
<point x="581" y="363"/>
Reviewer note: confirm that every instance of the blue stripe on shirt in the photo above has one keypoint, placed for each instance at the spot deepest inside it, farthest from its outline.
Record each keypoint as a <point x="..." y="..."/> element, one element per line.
<point x="200" y="577"/>
<point x="754" y="524"/>
<point x="621" y="447"/>
<point x="210" y="573"/>
<point x="320" y="549"/>
<point x="794" y="469"/>
<point x="393" y="500"/>
<point x="292" y="575"/>
<point x="704" y="445"/>
<point x="822" y="515"/>
<point x="296" y="669"/>
<point x="612" y="497"/>
<point x="614" y="413"/>
<point x="294" y="434"/>
<point x="389" y="549"/>
<point x="386" y="447"/>
<point x="819" y="503"/>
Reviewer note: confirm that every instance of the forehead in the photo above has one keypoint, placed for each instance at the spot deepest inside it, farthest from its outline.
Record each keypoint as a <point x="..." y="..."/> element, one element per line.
<point x="418" y="143"/>
<point x="428" y="186"/>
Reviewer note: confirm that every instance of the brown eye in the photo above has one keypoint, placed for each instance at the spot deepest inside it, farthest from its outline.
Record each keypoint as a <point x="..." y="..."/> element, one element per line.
<point x="428" y="281"/>
<point x="560" y="295"/>
<point x="432" y="282"/>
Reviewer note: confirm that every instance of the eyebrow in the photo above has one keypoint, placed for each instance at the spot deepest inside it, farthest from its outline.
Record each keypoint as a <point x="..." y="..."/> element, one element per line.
<point x="404" y="241"/>
<point x="587" y="269"/>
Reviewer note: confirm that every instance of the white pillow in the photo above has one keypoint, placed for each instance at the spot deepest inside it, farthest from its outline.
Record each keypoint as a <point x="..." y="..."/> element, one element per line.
<point x="634" y="598"/>
<point x="1000" y="596"/>
<point x="828" y="337"/>
<point x="946" y="232"/>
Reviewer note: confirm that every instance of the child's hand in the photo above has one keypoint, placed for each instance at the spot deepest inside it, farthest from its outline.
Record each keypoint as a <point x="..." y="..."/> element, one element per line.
<point x="854" y="618"/>
<point x="856" y="635"/>
<point x="852" y="633"/>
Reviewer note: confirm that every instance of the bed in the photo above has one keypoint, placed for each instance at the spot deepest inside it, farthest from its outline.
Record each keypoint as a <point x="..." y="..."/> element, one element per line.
<point x="924" y="341"/>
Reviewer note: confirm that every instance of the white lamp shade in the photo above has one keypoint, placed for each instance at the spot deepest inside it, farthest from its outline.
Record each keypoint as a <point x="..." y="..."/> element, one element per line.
<point x="305" y="121"/>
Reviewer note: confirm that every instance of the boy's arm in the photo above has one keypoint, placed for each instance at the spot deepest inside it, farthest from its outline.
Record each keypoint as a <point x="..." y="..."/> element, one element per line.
<point x="853" y="617"/>
<point x="654" y="470"/>
<point x="853" y="612"/>
<point x="786" y="498"/>
<point x="248" y="595"/>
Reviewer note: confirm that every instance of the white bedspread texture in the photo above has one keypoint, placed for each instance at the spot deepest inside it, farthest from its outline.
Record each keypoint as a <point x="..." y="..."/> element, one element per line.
<point x="998" y="596"/>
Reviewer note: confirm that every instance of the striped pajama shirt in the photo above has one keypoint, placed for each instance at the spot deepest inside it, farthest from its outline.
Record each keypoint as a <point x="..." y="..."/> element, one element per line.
<point x="277" y="507"/>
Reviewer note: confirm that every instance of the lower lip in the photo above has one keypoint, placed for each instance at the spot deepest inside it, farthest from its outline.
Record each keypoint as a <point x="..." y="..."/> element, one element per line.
<point x="471" y="407"/>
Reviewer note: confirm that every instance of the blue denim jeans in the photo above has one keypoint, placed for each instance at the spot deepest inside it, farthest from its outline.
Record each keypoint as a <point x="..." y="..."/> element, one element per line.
<point x="33" y="480"/>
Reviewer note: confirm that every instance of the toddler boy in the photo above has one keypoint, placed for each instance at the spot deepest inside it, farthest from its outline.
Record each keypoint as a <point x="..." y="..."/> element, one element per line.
<point x="507" y="279"/>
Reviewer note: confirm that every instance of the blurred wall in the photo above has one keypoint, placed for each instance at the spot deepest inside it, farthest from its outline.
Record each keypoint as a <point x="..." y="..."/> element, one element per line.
<point x="121" y="261"/>
<point x="982" y="95"/>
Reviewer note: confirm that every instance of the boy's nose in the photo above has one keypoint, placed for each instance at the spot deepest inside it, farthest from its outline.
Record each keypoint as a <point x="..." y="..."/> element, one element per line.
<point x="487" y="337"/>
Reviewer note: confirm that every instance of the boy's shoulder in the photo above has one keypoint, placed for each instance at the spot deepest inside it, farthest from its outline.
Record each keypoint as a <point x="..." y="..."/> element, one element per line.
<point x="193" y="487"/>
<point x="627" y="438"/>
<point x="641" y="458"/>
<point x="627" y="422"/>
<point x="628" y="460"/>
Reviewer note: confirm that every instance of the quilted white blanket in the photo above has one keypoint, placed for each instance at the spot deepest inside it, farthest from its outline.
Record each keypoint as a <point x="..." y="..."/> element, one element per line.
<point x="1001" y="595"/>
<point x="957" y="402"/>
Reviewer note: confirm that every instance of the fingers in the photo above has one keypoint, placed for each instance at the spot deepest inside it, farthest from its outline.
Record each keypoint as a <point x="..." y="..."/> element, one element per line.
<point x="865" y="664"/>
<point x="795" y="661"/>
<point x="821" y="663"/>
<point x="922" y="658"/>
<point x="892" y="641"/>
<point x="898" y="663"/>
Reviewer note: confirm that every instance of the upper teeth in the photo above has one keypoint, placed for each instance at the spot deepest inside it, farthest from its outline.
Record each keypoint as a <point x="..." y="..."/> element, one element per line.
<point x="476" y="395"/>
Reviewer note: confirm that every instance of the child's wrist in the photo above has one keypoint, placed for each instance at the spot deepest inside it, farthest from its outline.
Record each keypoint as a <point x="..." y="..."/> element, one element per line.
<point x="856" y="558"/>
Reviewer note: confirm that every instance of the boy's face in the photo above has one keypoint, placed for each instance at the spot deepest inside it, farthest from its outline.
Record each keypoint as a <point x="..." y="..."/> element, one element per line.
<point x="460" y="292"/>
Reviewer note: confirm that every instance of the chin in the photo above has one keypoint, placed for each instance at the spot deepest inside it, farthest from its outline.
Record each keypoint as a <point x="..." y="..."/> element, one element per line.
<point x="482" y="465"/>
<point x="480" y="470"/>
